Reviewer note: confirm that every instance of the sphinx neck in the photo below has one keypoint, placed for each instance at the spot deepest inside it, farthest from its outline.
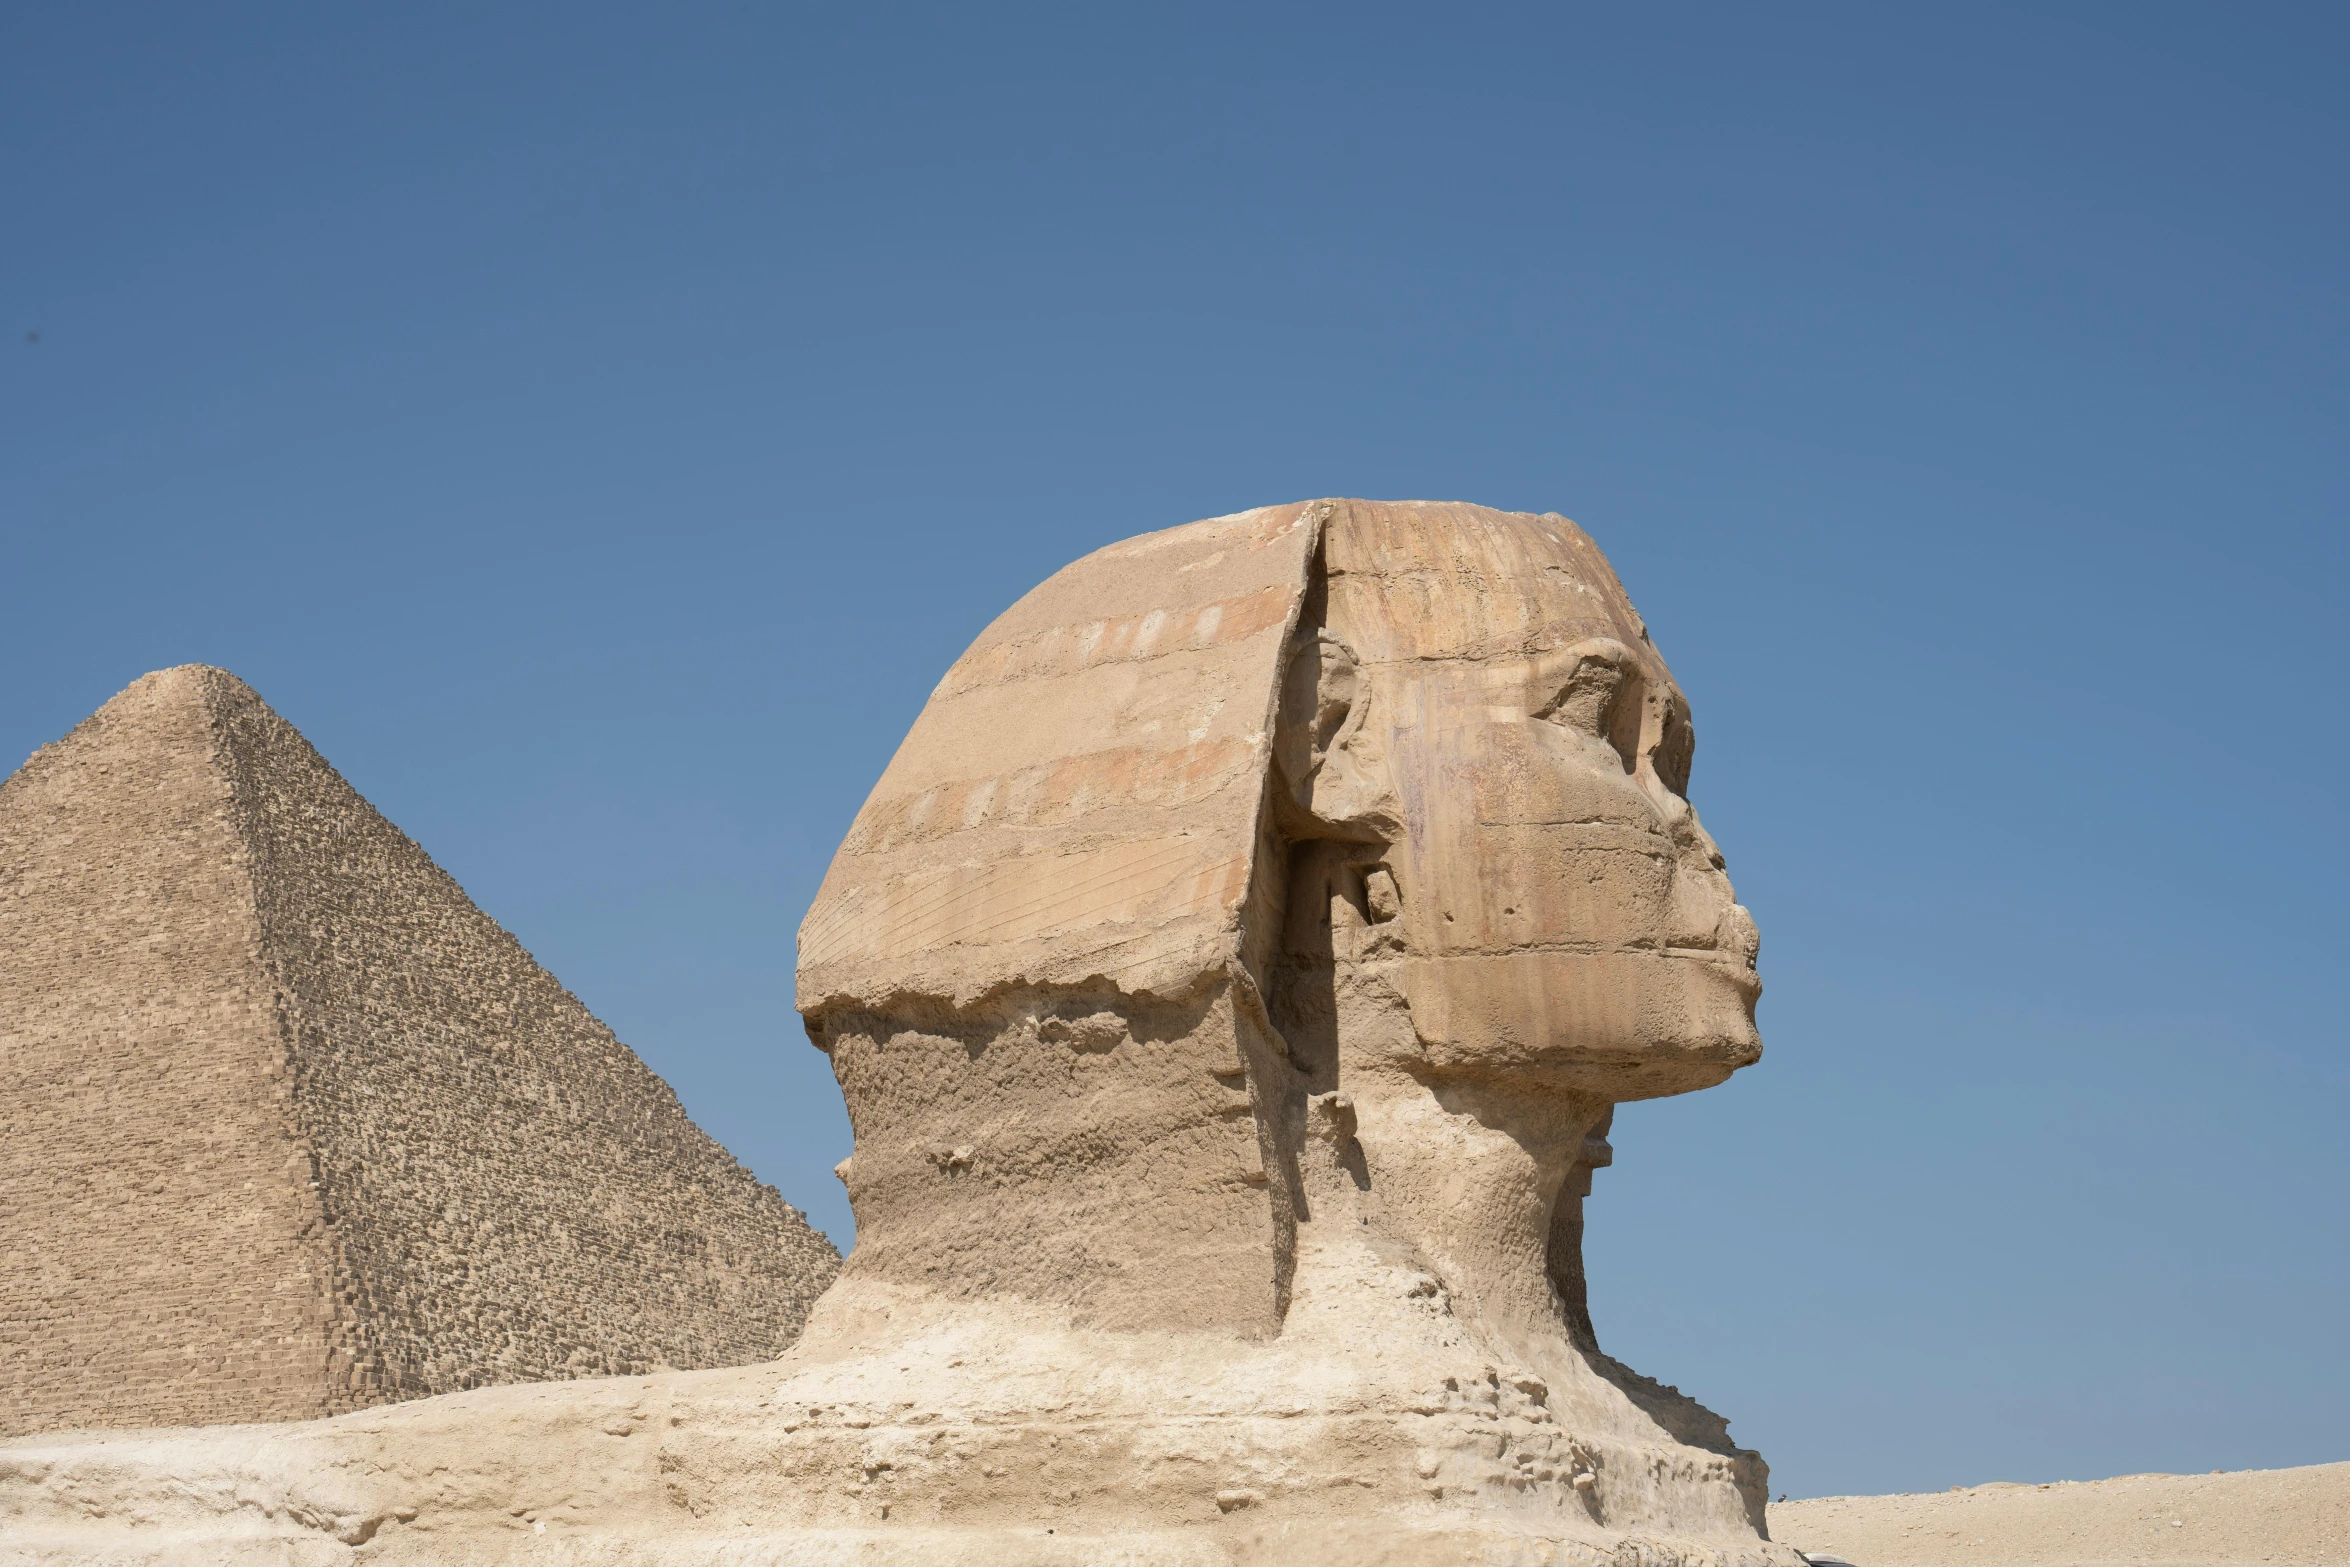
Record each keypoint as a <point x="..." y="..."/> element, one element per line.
<point x="1470" y="1177"/>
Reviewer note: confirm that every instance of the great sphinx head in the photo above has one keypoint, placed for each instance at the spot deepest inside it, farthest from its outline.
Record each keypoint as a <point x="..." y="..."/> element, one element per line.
<point x="1326" y="858"/>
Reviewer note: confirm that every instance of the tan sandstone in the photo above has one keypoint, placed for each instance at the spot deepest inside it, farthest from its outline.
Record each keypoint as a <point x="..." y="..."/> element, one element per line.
<point x="2282" y="1517"/>
<point x="294" y="1128"/>
<point x="1230" y="981"/>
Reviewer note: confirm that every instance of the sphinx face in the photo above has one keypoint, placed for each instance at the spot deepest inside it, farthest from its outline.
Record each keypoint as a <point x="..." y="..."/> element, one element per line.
<point x="1491" y="724"/>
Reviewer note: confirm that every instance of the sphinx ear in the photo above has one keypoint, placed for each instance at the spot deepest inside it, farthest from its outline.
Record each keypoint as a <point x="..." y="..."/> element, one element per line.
<point x="1319" y="692"/>
<point x="1331" y="767"/>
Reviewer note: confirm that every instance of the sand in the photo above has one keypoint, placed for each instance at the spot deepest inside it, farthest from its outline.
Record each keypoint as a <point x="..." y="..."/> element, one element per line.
<point x="2286" y="1517"/>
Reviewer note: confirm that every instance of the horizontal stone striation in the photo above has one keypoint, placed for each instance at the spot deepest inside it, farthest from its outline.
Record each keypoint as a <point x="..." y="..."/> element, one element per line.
<point x="397" y="1157"/>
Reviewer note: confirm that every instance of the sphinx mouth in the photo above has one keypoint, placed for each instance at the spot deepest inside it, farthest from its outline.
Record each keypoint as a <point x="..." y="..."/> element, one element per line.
<point x="1720" y="956"/>
<point x="1737" y="967"/>
<point x="1728" y="957"/>
<point x="1728" y="969"/>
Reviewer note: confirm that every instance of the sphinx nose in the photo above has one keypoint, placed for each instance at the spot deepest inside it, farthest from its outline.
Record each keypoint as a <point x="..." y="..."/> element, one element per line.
<point x="1682" y="823"/>
<point x="1735" y="932"/>
<point x="1702" y="907"/>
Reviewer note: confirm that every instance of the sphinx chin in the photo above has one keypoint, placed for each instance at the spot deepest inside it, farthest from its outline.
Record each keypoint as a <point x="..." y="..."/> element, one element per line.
<point x="1615" y="1026"/>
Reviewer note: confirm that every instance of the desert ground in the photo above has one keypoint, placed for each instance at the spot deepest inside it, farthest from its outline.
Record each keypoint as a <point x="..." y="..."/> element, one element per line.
<point x="2287" y="1517"/>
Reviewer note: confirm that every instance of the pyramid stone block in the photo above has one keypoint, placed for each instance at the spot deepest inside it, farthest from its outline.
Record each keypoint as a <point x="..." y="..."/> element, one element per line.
<point x="294" y="1128"/>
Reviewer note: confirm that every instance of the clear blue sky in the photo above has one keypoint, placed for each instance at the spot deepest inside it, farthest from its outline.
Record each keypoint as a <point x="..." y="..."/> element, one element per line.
<point x="597" y="428"/>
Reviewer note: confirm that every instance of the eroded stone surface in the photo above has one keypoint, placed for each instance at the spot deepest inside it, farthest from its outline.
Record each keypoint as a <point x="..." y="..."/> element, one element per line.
<point x="1230" y="982"/>
<point x="294" y="1128"/>
<point x="1318" y="1053"/>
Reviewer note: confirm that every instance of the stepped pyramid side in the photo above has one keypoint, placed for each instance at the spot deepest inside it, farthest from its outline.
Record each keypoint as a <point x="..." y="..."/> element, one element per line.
<point x="515" y="1195"/>
<point x="482" y="1183"/>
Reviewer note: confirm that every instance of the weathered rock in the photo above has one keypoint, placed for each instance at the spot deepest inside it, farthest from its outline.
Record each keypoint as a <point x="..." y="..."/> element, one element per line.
<point x="1268" y="914"/>
<point x="294" y="1128"/>
<point x="2278" y="1517"/>
<point x="1230" y="982"/>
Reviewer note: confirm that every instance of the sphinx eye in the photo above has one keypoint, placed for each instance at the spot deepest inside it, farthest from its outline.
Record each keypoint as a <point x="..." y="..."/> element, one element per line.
<point x="1583" y="702"/>
<point x="1601" y="698"/>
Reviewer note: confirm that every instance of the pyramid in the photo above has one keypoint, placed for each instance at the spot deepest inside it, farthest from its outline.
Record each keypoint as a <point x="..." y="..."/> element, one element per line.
<point x="293" y="1128"/>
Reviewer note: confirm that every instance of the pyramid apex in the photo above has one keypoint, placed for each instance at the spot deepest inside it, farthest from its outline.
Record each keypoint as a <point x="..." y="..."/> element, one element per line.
<point x="171" y="698"/>
<point x="181" y="674"/>
<point x="181" y="684"/>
